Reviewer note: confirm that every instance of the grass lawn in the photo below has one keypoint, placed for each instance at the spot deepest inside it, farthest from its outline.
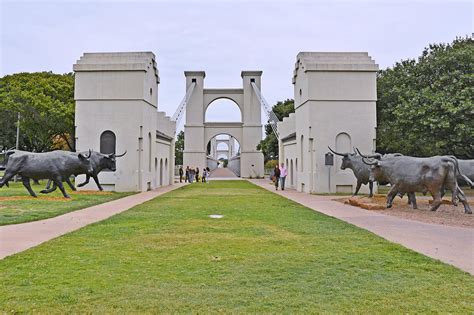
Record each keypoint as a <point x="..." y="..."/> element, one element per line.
<point x="17" y="206"/>
<point x="266" y="255"/>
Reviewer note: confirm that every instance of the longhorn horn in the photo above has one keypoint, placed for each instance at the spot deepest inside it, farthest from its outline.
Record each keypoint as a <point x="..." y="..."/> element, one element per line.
<point x="373" y="162"/>
<point x="120" y="155"/>
<point x="82" y="156"/>
<point x="364" y="156"/>
<point x="377" y="156"/>
<point x="354" y="148"/>
<point x="335" y="151"/>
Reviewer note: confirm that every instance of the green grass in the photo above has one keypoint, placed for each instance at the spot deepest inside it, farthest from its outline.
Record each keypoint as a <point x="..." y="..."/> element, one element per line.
<point x="266" y="255"/>
<point x="17" y="206"/>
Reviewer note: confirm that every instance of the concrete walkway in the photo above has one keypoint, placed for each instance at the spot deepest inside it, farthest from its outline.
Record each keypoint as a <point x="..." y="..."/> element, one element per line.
<point x="16" y="238"/>
<point x="223" y="174"/>
<point x="452" y="245"/>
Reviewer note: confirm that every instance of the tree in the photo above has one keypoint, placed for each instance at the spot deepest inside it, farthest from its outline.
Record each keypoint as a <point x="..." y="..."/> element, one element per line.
<point x="179" y="148"/>
<point x="8" y="120"/>
<point x="425" y="107"/>
<point x="45" y="102"/>
<point x="269" y="145"/>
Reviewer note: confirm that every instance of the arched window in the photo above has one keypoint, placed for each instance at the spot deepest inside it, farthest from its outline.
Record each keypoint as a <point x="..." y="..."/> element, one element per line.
<point x="155" y="178"/>
<point x="296" y="172"/>
<point x="166" y="170"/>
<point x="302" y="152"/>
<point x="107" y="142"/>
<point x="161" y="172"/>
<point x="291" y="172"/>
<point x="343" y="145"/>
<point x="149" y="152"/>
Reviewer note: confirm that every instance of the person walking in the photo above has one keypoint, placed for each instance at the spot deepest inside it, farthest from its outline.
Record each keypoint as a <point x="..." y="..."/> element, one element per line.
<point x="204" y="175"/>
<point x="197" y="174"/>
<point x="276" y="176"/>
<point x="191" y="175"/>
<point x="180" y="174"/>
<point x="186" y="178"/>
<point x="283" y="173"/>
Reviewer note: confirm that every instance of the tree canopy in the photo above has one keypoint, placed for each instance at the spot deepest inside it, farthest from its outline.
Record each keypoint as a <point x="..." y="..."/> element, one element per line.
<point x="45" y="102"/>
<point x="425" y="106"/>
<point x="269" y="145"/>
<point x="179" y="148"/>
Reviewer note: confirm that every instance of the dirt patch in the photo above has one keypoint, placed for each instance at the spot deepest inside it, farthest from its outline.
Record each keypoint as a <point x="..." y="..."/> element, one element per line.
<point x="364" y="204"/>
<point x="43" y="198"/>
<point x="91" y="192"/>
<point x="447" y="214"/>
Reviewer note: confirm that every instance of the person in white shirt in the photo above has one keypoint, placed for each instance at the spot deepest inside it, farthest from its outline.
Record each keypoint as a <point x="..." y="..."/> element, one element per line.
<point x="283" y="173"/>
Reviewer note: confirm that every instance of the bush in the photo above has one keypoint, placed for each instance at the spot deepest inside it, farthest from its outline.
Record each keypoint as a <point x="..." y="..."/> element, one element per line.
<point x="271" y="164"/>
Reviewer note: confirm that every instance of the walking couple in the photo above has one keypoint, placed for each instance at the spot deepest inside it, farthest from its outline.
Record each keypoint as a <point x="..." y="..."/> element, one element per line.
<point x="279" y="176"/>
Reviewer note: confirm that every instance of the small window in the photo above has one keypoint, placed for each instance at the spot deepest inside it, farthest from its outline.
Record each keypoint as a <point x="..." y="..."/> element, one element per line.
<point x="300" y="92"/>
<point x="193" y="80"/>
<point x="107" y="142"/>
<point x="252" y="80"/>
<point x="151" y="91"/>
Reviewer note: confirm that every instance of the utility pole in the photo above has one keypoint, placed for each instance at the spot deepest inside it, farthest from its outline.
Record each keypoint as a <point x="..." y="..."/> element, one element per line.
<point x="17" y="145"/>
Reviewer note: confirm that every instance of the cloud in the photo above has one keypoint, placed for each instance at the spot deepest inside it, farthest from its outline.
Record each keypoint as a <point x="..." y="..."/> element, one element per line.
<point x="222" y="37"/>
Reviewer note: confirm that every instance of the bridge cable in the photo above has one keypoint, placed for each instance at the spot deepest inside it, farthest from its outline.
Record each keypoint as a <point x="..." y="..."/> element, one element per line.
<point x="271" y="116"/>
<point x="178" y="115"/>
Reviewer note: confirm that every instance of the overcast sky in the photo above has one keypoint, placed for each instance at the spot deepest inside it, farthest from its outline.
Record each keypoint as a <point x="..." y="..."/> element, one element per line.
<point x="222" y="37"/>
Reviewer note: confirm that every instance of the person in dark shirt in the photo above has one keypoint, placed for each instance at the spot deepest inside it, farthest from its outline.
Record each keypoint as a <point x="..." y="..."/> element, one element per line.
<point x="181" y="174"/>
<point x="276" y="176"/>
<point x="197" y="174"/>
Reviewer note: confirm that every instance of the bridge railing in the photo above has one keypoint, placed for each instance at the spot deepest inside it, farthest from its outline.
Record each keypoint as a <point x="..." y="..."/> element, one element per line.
<point x="234" y="165"/>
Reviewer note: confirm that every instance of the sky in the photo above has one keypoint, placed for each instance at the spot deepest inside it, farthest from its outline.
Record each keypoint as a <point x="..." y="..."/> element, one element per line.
<point x="222" y="37"/>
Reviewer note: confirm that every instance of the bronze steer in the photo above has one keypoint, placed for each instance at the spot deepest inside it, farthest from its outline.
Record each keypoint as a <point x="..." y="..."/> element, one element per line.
<point x="56" y="166"/>
<point x="409" y="174"/>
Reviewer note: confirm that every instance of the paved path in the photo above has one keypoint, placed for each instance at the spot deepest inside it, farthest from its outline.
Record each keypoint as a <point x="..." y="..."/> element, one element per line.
<point x="452" y="245"/>
<point x="223" y="173"/>
<point x="16" y="238"/>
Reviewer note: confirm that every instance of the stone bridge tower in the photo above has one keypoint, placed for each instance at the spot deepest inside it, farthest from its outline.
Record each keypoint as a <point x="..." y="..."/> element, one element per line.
<point x="248" y="133"/>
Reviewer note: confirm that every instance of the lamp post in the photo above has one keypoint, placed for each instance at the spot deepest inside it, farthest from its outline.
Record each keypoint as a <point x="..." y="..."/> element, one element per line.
<point x="17" y="144"/>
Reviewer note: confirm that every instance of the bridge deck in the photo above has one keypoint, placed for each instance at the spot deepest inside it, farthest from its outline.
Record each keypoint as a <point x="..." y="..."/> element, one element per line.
<point x="223" y="173"/>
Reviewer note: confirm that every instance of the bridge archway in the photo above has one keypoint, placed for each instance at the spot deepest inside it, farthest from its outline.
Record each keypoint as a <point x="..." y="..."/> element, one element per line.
<point x="222" y="146"/>
<point x="226" y="155"/>
<point x="247" y="131"/>
<point x="223" y="107"/>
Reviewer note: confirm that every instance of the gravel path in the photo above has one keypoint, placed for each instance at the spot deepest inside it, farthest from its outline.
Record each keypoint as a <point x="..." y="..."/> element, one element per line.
<point x="447" y="214"/>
